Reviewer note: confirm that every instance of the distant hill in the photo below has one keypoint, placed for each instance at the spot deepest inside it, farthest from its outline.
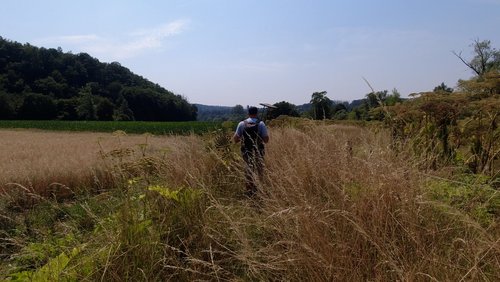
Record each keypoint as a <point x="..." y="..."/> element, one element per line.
<point x="223" y="113"/>
<point x="40" y="83"/>
<point x="220" y="113"/>
<point x="356" y="103"/>
<point x="304" y="108"/>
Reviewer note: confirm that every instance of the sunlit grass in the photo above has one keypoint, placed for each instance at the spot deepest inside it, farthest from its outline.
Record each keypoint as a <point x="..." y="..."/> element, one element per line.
<point x="335" y="204"/>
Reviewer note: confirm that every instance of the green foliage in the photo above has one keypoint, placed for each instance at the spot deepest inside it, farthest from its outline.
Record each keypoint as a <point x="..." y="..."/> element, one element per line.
<point x="443" y="87"/>
<point x="6" y="109"/>
<point x="238" y="113"/>
<point x="376" y="99"/>
<point x="213" y="113"/>
<point x="66" y="109"/>
<point x="393" y="98"/>
<point x="470" y="194"/>
<point x="438" y="125"/>
<point x="373" y="106"/>
<point x="456" y="127"/>
<point x="485" y="60"/>
<point x="37" y="106"/>
<point x="49" y="77"/>
<point x="138" y="127"/>
<point x="86" y="108"/>
<point x="220" y="113"/>
<point x="148" y="104"/>
<point x="321" y="105"/>
<point x="52" y="271"/>
<point x="123" y="112"/>
<point x="104" y="109"/>
<point x="283" y="108"/>
<point x="341" y="114"/>
<point x="429" y="123"/>
<point x="181" y="196"/>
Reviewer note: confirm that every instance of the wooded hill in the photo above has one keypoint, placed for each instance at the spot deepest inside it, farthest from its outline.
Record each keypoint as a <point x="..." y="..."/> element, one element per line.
<point x="40" y="83"/>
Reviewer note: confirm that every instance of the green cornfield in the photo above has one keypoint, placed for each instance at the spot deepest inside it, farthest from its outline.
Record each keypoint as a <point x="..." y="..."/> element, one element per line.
<point x="134" y="127"/>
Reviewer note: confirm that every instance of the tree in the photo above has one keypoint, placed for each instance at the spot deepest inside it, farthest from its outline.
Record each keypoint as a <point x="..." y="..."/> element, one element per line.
<point x="6" y="109"/>
<point x="26" y="69"/>
<point x="49" y="85"/>
<point x="123" y="112"/>
<point x="114" y="89"/>
<point x="37" y="106"/>
<point x="104" y="109"/>
<point x="66" y="109"/>
<point x="485" y="57"/>
<point x="376" y="99"/>
<point x="87" y="108"/>
<point x="283" y="108"/>
<point x="340" y="110"/>
<point x="393" y="98"/>
<point x="238" y="112"/>
<point x="321" y="105"/>
<point x="443" y="88"/>
<point x="374" y="106"/>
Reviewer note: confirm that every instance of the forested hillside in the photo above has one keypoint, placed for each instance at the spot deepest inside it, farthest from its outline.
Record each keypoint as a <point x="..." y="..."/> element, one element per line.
<point x="40" y="83"/>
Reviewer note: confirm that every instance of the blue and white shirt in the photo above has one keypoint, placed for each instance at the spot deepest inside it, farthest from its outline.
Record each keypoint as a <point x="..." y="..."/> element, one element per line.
<point x="262" y="130"/>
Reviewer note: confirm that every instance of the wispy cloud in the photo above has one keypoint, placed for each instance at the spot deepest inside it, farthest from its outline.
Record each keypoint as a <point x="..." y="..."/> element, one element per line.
<point x="123" y="46"/>
<point x="164" y="30"/>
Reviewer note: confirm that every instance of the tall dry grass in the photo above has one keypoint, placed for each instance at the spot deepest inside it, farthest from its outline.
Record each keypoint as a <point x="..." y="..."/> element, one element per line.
<point x="334" y="204"/>
<point x="39" y="159"/>
<point x="337" y="204"/>
<point x="344" y="207"/>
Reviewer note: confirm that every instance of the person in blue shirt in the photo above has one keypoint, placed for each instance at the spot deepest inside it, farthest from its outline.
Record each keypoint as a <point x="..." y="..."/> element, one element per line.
<point x="252" y="133"/>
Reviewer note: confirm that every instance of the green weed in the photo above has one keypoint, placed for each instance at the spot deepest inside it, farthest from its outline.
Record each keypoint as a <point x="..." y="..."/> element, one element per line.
<point x="470" y="194"/>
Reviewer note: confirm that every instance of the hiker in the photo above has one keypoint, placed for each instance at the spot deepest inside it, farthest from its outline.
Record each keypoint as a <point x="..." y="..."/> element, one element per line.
<point x="253" y="134"/>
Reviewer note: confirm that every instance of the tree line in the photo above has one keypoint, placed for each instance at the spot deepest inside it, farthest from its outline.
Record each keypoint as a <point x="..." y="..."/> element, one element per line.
<point x="443" y="126"/>
<point x="40" y="83"/>
<point x="485" y="65"/>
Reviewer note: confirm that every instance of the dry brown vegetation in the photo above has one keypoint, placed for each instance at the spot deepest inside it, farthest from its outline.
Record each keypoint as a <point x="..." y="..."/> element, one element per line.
<point x="335" y="204"/>
<point x="41" y="161"/>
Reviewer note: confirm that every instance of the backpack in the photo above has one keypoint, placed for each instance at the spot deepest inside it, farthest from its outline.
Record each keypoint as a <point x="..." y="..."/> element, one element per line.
<point x="251" y="139"/>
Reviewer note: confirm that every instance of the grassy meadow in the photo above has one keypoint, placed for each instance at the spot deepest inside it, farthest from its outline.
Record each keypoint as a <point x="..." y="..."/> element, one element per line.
<point x="336" y="203"/>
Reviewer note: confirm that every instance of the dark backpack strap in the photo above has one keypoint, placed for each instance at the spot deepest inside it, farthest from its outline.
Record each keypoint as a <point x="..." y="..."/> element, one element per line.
<point x="252" y="141"/>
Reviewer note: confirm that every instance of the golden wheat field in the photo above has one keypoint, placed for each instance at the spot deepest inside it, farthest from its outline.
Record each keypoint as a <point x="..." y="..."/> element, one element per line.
<point x="38" y="159"/>
<point x="334" y="204"/>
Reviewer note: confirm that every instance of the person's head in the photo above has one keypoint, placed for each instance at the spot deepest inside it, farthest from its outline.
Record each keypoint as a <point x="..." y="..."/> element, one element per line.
<point x="253" y="111"/>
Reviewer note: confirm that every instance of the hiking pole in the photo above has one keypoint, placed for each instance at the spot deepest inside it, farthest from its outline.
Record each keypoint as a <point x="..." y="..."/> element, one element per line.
<point x="267" y="107"/>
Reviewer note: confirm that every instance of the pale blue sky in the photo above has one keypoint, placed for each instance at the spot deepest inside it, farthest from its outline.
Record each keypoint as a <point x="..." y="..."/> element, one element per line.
<point x="247" y="52"/>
